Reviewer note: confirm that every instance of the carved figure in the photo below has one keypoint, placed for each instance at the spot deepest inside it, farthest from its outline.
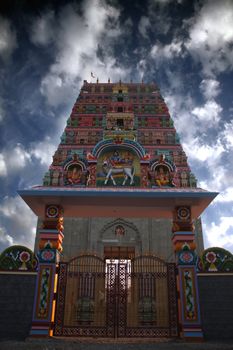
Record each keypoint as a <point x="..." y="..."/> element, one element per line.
<point x="116" y="165"/>
<point x="162" y="177"/>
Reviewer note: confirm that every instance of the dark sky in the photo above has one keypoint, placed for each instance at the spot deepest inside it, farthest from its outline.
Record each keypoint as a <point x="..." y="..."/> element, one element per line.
<point x="47" y="48"/>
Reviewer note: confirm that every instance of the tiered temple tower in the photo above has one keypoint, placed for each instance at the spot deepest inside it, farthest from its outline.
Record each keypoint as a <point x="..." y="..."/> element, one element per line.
<point x="126" y="127"/>
<point x="121" y="194"/>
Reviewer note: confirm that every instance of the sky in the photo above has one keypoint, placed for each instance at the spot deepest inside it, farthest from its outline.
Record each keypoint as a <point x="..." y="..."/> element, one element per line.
<point x="47" y="49"/>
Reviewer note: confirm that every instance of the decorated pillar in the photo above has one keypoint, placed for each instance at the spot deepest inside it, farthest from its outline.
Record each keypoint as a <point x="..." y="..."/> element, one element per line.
<point x="184" y="246"/>
<point x="144" y="174"/>
<point x="50" y="247"/>
<point x="92" y="162"/>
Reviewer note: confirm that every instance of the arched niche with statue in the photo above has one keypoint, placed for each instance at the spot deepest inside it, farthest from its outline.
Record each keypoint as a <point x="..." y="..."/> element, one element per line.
<point x="75" y="172"/>
<point x="162" y="173"/>
<point x="118" y="166"/>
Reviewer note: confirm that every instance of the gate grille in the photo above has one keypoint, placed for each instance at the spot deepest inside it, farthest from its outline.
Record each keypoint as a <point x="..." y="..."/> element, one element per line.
<point x="116" y="298"/>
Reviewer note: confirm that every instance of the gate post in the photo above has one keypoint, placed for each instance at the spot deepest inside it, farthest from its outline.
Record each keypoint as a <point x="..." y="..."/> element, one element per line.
<point x="184" y="246"/>
<point x="50" y="247"/>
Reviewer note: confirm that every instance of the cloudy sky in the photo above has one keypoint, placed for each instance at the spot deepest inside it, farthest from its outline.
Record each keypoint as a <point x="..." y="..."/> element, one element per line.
<point x="47" y="48"/>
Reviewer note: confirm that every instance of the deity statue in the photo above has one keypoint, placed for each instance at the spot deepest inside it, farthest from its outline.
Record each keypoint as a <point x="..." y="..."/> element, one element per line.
<point x="74" y="175"/>
<point x="162" y="176"/>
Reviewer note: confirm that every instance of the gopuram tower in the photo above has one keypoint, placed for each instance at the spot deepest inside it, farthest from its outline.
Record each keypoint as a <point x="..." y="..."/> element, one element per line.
<point x="122" y="195"/>
<point x="120" y="136"/>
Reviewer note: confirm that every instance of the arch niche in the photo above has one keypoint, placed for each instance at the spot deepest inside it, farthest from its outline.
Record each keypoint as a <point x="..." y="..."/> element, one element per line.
<point x="120" y="236"/>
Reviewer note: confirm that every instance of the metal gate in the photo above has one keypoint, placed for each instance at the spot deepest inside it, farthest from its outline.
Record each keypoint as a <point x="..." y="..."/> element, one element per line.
<point x="116" y="298"/>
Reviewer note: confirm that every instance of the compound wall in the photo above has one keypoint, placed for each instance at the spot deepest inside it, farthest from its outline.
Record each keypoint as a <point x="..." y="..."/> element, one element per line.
<point x="16" y="303"/>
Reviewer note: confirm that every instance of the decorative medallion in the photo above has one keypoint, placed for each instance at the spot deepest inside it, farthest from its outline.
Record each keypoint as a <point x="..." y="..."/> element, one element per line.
<point x="211" y="257"/>
<point x="186" y="257"/>
<point x="48" y="254"/>
<point x="52" y="211"/>
<point x="24" y="257"/>
<point x="183" y="213"/>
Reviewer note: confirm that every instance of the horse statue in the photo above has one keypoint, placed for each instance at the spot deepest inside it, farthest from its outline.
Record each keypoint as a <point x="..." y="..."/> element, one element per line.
<point x="126" y="169"/>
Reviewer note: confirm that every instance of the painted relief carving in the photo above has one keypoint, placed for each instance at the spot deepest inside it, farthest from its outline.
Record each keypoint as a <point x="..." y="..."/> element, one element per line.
<point x="119" y="167"/>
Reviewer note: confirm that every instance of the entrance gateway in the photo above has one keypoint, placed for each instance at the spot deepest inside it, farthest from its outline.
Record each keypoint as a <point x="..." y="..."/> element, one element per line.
<point x="116" y="298"/>
<point x="116" y="239"/>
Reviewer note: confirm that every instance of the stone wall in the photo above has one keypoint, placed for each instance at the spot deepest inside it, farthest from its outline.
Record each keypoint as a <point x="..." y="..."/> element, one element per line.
<point x="16" y="304"/>
<point x="216" y="302"/>
<point x="146" y="235"/>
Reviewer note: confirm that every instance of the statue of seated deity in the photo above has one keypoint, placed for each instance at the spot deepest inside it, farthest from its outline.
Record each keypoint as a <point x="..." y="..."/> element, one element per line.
<point x="74" y="175"/>
<point x="162" y="177"/>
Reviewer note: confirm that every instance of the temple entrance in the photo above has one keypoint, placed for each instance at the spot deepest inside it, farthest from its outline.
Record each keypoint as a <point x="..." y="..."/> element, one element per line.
<point x="116" y="297"/>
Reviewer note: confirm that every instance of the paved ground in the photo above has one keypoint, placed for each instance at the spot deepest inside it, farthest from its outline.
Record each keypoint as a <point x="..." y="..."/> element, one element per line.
<point x="111" y="344"/>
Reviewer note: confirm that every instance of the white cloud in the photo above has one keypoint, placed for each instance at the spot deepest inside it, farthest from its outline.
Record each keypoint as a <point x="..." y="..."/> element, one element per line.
<point x="204" y="152"/>
<point x="2" y="111"/>
<point x="210" y="88"/>
<point x="169" y="51"/>
<point x="13" y="159"/>
<point x="143" y="26"/>
<point x="228" y="135"/>
<point x="211" y="36"/>
<point x="3" y="168"/>
<point x="78" y="39"/>
<point x="8" y="40"/>
<point x="215" y="177"/>
<point x="16" y="158"/>
<point x="19" y="220"/>
<point x="209" y="114"/>
<point x="180" y="106"/>
<point x="159" y="16"/>
<point x="225" y="196"/>
<point x="5" y="239"/>
<point x="44" y="151"/>
<point x="220" y="235"/>
<point x="42" y="30"/>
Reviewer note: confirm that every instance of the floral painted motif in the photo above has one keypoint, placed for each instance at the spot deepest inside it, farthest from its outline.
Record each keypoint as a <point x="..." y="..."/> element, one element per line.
<point x="215" y="260"/>
<point x="186" y="257"/>
<point x="24" y="257"/>
<point x="48" y="255"/>
<point x="18" y="258"/>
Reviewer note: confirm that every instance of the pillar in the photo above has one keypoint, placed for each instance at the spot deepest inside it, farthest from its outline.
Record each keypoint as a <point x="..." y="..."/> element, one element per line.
<point x="184" y="246"/>
<point x="50" y="247"/>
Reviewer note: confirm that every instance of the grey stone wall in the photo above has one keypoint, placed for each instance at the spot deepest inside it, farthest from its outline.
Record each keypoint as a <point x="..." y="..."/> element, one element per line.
<point x="216" y="302"/>
<point x="146" y="235"/>
<point x="16" y="304"/>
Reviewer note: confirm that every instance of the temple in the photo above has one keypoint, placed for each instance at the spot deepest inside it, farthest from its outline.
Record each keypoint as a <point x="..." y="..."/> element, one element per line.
<point x="119" y="229"/>
<point x="120" y="137"/>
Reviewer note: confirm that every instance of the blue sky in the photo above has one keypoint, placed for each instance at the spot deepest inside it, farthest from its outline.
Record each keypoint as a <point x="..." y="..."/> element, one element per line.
<point x="48" y="48"/>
